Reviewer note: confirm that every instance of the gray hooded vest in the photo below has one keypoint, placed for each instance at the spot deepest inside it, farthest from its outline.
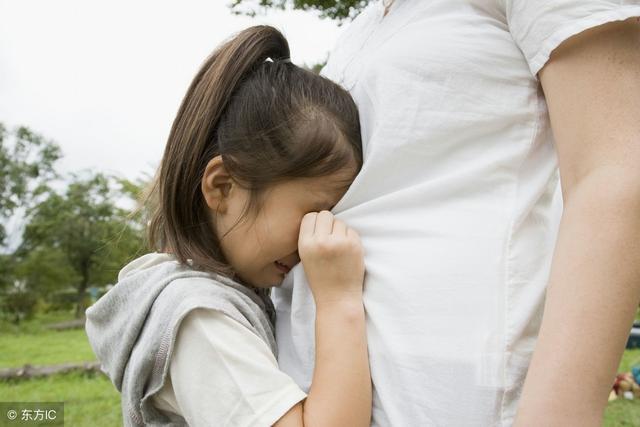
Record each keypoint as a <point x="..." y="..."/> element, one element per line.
<point x="133" y="327"/>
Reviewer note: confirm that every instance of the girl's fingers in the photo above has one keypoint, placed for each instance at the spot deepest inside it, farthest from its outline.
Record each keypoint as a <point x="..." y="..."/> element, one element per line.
<point x="339" y="228"/>
<point x="308" y="224"/>
<point x="324" y="223"/>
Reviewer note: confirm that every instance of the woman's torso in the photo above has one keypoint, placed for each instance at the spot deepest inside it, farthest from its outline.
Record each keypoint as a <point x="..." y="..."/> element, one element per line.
<point x="457" y="206"/>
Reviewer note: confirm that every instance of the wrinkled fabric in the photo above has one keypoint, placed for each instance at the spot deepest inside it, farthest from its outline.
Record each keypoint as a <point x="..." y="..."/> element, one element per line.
<point x="457" y="204"/>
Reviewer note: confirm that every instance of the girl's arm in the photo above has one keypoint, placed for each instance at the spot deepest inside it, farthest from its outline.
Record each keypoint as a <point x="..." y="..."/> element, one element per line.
<point x="592" y="87"/>
<point x="340" y="393"/>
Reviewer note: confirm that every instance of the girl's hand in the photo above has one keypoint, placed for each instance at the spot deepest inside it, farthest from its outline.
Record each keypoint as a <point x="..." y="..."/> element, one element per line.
<point x="340" y="393"/>
<point x="332" y="257"/>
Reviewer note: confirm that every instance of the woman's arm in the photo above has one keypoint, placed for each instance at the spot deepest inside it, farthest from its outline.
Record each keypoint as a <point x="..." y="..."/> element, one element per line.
<point x="592" y="87"/>
<point x="340" y="393"/>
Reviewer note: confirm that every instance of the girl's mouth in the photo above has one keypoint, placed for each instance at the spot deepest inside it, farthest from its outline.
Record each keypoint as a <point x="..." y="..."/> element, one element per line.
<point x="282" y="267"/>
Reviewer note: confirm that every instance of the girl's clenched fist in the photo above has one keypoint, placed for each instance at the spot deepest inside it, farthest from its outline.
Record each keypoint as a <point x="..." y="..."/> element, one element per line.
<point x="332" y="257"/>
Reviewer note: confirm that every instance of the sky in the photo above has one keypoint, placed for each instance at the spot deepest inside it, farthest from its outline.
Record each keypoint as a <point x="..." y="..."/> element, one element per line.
<point x="104" y="80"/>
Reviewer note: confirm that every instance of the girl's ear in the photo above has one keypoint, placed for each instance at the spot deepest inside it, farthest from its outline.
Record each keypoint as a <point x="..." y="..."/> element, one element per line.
<point x="216" y="185"/>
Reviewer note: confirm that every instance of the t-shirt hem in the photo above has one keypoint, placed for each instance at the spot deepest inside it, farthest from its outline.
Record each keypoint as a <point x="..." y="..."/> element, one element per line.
<point x="575" y="27"/>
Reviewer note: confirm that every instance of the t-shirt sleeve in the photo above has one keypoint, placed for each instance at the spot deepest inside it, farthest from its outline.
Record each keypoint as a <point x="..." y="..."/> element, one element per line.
<point x="221" y="373"/>
<point x="539" y="26"/>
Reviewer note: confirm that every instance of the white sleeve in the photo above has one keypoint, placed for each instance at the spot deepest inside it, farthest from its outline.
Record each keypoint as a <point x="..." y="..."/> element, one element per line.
<point x="221" y="373"/>
<point x="539" y="26"/>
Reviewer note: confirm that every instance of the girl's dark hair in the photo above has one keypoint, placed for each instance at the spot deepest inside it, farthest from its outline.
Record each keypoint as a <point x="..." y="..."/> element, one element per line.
<point x="269" y="120"/>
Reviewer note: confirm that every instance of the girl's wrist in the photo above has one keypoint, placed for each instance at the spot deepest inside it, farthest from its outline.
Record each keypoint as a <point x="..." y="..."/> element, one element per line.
<point x="343" y="303"/>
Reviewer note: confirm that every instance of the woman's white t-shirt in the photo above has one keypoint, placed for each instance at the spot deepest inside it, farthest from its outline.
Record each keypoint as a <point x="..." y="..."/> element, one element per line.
<point x="223" y="374"/>
<point x="457" y="204"/>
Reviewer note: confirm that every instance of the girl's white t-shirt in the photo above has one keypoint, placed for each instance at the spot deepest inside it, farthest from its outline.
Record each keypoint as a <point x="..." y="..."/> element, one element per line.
<point x="457" y="204"/>
<point x="223" y="374"/>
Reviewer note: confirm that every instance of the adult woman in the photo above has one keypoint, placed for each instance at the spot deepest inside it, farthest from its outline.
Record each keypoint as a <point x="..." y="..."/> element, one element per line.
<point x="454" y="208"/>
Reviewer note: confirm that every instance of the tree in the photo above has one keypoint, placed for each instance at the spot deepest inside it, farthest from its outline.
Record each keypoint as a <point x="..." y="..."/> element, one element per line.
<point x="43" y="270"/>
<point x="26" y="167"/>
<point x="339" y="10"/>
<point x="83" y="228"/>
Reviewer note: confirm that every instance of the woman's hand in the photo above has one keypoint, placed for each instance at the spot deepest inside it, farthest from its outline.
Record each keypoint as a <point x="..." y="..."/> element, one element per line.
<point x="332" y="257"/>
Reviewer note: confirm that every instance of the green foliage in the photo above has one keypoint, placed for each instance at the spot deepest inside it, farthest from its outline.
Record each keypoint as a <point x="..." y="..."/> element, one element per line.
<point x="78" y="238"/>
<point x="17" y="305"/>
<point x="340" y="10"/>
<point x="26" y="167"/>
<point x="136" y="192"/>
<point x="6" y="270"/>
<point x="45" y="270"/>
<point x="73" y="238"/>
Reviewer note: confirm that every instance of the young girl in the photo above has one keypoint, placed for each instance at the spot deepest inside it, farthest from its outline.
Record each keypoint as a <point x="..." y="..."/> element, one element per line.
<point x="258" y="154"/>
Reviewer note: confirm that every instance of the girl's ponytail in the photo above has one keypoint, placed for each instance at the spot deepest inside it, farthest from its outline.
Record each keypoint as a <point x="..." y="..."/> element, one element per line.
<point x="220" y="75"/>
<point x="191" y="135"/>
<point x="236" y="107"/>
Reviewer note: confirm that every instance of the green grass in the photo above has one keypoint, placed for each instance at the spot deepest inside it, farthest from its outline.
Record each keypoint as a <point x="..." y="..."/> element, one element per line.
<point x="629" y="359"/>
<point x="35" y="325"/>
<point x="45" y="348"/>
<point x="622" y="413"/>
<point x="31" y="342"/>
<point x="89" y="399"/>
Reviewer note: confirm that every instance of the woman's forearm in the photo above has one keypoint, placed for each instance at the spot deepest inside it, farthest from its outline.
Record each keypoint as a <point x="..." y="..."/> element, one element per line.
<point x="340" y="393"/>
<point x="593" y="294"/>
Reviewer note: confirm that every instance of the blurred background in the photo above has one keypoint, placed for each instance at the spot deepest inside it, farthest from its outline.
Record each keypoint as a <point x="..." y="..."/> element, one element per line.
<point x="88" y="92"/>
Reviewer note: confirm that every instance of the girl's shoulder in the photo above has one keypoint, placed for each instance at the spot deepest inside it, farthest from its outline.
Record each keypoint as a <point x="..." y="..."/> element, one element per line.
<point x="216" y="355"/>
<point x="213" y="287"/>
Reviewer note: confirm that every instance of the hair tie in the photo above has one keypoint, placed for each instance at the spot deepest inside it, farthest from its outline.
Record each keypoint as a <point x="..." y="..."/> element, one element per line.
<point x="283" y="60"/>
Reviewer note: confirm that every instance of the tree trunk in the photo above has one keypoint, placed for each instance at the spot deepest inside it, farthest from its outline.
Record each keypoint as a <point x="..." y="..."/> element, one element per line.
<point x="82" y="291"/>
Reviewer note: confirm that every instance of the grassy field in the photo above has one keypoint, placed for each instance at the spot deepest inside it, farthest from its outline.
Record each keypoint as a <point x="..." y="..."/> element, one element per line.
<point x="91" y="399"/>
<point x="45" y="349"/>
